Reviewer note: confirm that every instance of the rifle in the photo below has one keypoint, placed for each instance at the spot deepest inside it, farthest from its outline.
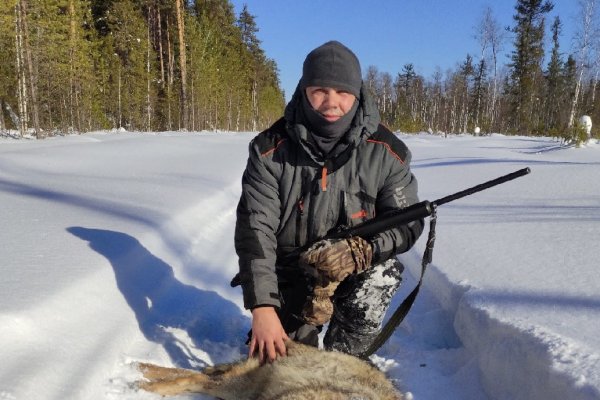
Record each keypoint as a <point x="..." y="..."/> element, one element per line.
<point x="396" y="218"/>
<point x="404" y="216"/>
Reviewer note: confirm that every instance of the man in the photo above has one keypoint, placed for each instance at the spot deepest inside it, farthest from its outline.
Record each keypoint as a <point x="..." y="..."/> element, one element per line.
<point x="327" y="163"/>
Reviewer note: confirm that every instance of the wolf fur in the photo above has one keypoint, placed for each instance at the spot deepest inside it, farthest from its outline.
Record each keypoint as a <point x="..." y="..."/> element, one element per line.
<point x="306" y="373"/>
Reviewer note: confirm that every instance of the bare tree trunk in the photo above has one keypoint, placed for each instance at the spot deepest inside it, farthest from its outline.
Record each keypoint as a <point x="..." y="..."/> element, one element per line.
<point x="453" y="114"/>
<point x="148" y="104"/>
<point x="215" y="122"/>
<point x="182" y="62"/>
<point x="160" y="49"/>
<point x="229" y="111"/>
<point x="22" y="79"/>
<point x="494" y="88"/>
<point x="254" y="105"/>
<point x="193" y="97"/>
<point x="71" y="60"/>
<point x="193" y="100"/>
<point x="491" y="35"/>
<point x="119" y="103"/>
<point x="594" y="85"/>
<point x="29" y="62"/>
<point x="465" y="111"/>
<point x="575" y="99"/>
<point x="171" y="62"/>
<point x="2" y="124"/>
<point x="586" y="36"/>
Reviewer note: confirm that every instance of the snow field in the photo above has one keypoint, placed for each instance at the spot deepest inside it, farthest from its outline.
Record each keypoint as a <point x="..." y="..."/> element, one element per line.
<point x="121" y="250"/>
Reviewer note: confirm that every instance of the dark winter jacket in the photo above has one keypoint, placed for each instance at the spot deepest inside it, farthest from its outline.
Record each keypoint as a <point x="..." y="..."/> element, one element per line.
<point x="292" y="195"/>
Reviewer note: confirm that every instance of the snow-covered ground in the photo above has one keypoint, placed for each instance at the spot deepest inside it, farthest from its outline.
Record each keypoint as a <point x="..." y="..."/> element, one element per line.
<point x="119" y="248"/>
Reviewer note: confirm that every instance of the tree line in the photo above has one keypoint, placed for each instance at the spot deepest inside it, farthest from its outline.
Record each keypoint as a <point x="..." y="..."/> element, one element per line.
<point x="148" y="65"/>
<point x="528" y="95"/>
<point x="154" y="65"/>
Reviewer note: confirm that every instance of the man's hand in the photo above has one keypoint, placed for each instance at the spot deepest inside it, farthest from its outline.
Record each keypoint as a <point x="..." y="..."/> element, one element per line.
<point x="337" y="258"/>
<point x="268" y="335"/>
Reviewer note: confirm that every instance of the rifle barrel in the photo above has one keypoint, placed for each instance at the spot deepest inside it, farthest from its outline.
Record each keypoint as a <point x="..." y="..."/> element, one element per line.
<point x="481" y="186"/>
<point x="417" y="211"/>
<point x="386" y="221"/>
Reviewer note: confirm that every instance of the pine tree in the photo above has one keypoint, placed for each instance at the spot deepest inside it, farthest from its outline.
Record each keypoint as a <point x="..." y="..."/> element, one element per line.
<point x="465" y="75"/>
<point x="404" y="110"/>
<point x="265" y="93"/>
<point x="479" y="77"/>
<point x="554" y="82"/>
<point x="127" y="49"/>
<point x="525" y="65"/>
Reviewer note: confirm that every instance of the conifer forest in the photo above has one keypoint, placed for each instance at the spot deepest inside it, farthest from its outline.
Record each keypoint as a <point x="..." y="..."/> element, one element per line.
<point x="148" y="65"/>
<point x="158" y="65"/>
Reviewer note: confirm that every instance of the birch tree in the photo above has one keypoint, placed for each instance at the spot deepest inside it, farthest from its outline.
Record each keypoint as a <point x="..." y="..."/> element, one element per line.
<point x="491" y="38"/>
<point x="586" y="34"/>
<point x="8" y="77"/>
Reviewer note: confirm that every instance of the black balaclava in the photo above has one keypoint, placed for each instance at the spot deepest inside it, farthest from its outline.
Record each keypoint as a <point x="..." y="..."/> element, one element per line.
<point x="330" y="65"/>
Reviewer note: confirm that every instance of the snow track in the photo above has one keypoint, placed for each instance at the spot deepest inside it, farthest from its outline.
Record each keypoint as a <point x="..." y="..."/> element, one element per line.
<point x="522" y="363"/>
<point x="451" y="335"/>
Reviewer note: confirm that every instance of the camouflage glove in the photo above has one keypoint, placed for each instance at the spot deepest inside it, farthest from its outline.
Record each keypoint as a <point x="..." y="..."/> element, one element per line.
<point x="330" y="261"/>
<point x="335" y="259"/>
<point x="319" y="309"/>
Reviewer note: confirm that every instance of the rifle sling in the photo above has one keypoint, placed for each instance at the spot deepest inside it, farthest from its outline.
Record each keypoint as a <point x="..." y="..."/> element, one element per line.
<point x="402" y="310"/>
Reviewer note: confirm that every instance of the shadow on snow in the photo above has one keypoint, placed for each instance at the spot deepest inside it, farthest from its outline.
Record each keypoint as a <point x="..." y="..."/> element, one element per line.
<point x="160" y="301"/>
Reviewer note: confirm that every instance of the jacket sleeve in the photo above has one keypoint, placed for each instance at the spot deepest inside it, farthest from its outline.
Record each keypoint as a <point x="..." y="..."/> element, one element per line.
<point x="399" y="191"/>
<point x="257" y="221"/>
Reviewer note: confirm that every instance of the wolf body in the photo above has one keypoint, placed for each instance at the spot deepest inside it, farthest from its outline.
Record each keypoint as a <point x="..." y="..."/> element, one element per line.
<point x="306" y="373"/>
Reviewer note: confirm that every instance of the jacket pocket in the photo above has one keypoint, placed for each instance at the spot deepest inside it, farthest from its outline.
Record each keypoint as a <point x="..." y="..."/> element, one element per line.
<point x="357" y="207"/>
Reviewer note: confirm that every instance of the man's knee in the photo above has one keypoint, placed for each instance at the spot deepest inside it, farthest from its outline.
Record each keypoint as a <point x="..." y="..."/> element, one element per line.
<point x="361" y="307"/>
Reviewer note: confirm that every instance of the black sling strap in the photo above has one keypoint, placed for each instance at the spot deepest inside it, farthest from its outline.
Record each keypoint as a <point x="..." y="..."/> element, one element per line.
<point x="402" y="310"/>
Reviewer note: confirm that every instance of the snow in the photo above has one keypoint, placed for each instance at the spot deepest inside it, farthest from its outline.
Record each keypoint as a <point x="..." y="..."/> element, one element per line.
<point x="118" y="247"/>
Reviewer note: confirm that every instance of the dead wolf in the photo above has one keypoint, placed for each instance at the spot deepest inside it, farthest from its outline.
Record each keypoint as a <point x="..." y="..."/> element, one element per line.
<point x="306" y="373"/>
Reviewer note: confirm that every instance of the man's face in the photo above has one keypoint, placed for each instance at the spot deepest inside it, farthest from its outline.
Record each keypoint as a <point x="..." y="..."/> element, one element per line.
<point x="331" y="103"/>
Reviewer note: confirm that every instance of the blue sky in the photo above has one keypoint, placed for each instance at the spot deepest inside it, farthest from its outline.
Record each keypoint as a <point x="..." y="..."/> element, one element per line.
<point x="385" y="33"/>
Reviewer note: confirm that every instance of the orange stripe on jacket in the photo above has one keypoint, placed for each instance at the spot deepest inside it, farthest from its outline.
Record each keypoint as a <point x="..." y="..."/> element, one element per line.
<point x="266" y="153"/>
<point x="388" y="147"/>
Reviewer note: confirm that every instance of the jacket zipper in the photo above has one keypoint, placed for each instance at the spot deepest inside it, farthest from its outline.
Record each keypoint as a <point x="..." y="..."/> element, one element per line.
<point x="299" y="221"/>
